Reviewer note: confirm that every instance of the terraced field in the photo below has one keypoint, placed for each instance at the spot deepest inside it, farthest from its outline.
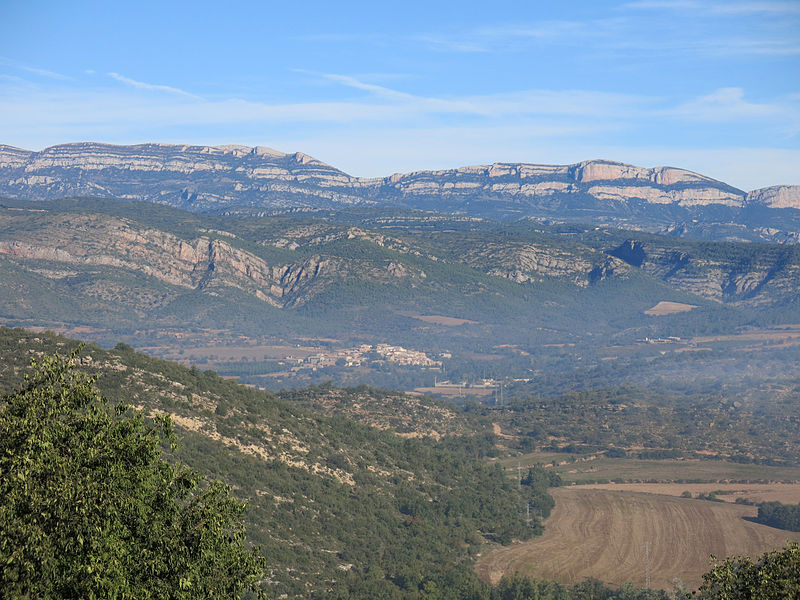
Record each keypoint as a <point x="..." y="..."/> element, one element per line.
<point x="602" y="534"/>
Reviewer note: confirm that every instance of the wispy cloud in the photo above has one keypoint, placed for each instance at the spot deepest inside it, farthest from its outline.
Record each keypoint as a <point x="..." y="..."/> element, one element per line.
<point x="353" y="82"/>
<point x="752" y="28"/>
<point x="718" y="8"/>
<point x="398" y="129"/>
<point x="152" y="87"/>
<point x="725" y="104"/>
<point x="567" y="109"/>
<point x="728" y="105"/>
<point x="502" y="105"/>
<point x="35" y="70"/>
<point x="503" y="37"/>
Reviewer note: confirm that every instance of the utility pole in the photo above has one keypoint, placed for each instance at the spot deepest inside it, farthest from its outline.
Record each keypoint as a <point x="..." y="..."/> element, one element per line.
<point x="519" y="474"/>
<point x="647" y="564"/>
<point x="528" y="517"/>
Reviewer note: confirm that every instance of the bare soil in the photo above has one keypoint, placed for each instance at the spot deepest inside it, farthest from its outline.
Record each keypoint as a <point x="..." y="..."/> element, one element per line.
<point x="669" y="308"/>
<point x="602" y="534"/>
<point x="442" y="320"/>
<point x="788" y="493"/>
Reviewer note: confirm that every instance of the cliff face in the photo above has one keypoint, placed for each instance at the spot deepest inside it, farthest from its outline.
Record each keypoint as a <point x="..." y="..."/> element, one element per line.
<point x="255" y="181"/>
<point x="731" y="274"/>
<point x="593" y="184"/>
<point x="67" y="244"/>
<point x="778" y="196"/>
<point x="199" y="178"/>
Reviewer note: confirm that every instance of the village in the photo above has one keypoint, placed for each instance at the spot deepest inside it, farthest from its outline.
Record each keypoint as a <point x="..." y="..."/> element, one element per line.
<point x="363" y="355"/>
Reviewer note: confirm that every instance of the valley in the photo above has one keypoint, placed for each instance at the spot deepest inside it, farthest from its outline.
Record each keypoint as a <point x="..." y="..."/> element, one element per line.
<point x="295" y="300"/>
<point x="338" y="458"/>
<point x="449" y="377"/>
<point x="426" y="301"/>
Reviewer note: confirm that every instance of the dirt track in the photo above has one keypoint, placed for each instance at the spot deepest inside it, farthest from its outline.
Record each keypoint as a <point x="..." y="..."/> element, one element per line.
<point x="602" y="534"/>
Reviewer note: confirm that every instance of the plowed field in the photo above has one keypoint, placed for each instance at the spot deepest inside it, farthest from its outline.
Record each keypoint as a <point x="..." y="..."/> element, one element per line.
<point x="602" y="534"/>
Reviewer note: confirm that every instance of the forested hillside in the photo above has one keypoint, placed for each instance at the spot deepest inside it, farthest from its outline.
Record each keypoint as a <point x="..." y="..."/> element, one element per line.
<point x="334" y="505"/>
<point x="390" y="495"/>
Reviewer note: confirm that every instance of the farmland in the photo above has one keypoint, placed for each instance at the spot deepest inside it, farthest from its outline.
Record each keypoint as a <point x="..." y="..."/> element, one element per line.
<point x="598" y="468"/>
<point x="602" y="534"/>
<point x="787" y="493"/>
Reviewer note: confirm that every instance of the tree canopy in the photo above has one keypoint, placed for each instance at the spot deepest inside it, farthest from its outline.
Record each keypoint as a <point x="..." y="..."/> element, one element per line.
<point x="774" y="576"/>
<point x="91" y="508"/>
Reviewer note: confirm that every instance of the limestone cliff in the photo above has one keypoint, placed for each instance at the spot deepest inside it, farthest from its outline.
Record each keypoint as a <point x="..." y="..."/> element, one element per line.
<point x="594" y="183"/>
<point x="238" y="180"/>
<point x="204" y="177"/>
<point x="730" y="274"/>
<point x="68" y="244"/>
<point x="778" y="196"/>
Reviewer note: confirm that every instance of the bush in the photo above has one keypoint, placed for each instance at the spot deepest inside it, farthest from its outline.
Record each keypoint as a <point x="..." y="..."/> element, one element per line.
<point x="91" y="509"/>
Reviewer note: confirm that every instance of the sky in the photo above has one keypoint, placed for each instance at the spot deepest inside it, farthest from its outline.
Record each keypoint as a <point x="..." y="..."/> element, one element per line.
<point x="376" y="88"/>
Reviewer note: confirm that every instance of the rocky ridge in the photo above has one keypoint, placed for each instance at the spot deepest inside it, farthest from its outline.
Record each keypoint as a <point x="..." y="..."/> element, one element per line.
<point x="67" y="244"/>
<point x="542" y="183"/>
<point x="734" y="276"/>
<point x="198" y="178"/>
<point x="778" y="196"/>
<point x="242" y="180"/>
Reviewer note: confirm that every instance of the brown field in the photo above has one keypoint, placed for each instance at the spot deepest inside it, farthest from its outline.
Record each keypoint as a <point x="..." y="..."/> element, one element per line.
<point x="786" y="334"/>
<point x="455" y="391"/>
<point x="229" y="353"/>
<point x="669" y="308"/>
<point x="442" y="320"/>
<point x="592" y="468"/>
<point x="788" y="493"/>
<point x="602" y="534"/>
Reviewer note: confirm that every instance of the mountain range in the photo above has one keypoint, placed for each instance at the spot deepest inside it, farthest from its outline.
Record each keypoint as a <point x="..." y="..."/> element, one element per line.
<point x="258" y="181"/>
<point x="179" y="247"/>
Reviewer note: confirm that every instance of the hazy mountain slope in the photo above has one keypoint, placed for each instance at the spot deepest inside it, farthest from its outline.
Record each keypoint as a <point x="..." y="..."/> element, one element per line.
<point x="240" y="180"/>
<point x="131" y="265"/>
<point x="478" y="298"/>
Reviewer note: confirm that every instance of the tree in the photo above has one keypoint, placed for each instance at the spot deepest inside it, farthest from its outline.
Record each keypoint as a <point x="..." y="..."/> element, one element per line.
<point x="90" y="508"/>
<point x="774" y="576"/>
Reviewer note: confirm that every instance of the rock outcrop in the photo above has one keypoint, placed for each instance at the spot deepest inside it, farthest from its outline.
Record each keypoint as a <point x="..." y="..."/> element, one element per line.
<point x="778" y="196"/>
<point x="595" y="183"/>
<point x="237" y="180"/>
<point x="199" y="178"/>
<point x="207" y="177"/>
<point x="75" y="243"/>
<point x="737" y="276"/>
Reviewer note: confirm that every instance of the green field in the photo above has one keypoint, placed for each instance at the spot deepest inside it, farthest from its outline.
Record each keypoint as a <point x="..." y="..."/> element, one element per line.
<point x="620" y="470"/>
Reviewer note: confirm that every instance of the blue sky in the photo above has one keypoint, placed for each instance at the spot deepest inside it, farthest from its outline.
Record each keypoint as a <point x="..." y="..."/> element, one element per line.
<point x="375" y="88"/>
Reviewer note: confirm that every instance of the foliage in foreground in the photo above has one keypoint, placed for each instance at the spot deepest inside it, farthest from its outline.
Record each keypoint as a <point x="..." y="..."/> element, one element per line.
<point x="92" y="510"/>
<point x="774" y="576"/>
